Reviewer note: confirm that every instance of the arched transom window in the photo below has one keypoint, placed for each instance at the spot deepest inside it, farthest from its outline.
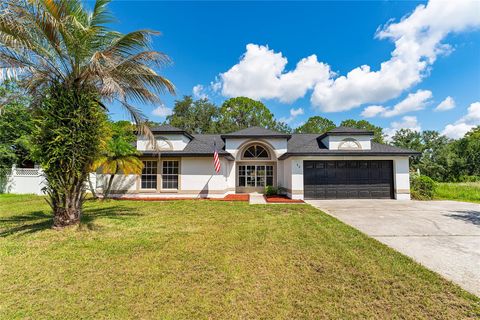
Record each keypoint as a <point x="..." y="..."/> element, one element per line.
<point x="255" y="152"/>
<point x="349" y="144"/>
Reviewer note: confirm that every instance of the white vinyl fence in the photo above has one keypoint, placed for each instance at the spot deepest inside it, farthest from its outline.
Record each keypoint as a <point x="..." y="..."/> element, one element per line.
<point x="23" y="181"/>
<point x="27" y="181"/>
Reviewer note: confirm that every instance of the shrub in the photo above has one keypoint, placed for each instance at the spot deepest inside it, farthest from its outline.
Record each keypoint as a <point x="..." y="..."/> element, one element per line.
<point x="469" y="178"/>
<point x="271" y="191"/>
<point x="422" y="187"/>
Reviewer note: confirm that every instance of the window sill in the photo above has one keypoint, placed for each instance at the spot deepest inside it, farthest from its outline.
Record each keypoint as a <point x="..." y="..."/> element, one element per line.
<point x="169" y="190"/>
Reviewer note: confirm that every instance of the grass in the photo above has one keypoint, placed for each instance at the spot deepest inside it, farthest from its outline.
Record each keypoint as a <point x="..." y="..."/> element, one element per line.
<point x="465" y="191"/>
<point x="206" y="259"/>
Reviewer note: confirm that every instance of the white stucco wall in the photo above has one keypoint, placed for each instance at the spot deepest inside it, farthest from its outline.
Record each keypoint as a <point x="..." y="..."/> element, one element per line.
<point x="333" y="142"/>
<point x="400" y="173"/>
<point x="121" y="183"/>
<point x="198" y="176"/>
<point x="174" y="142"/>
<point x="401" y="176"/>
<point x="234" y="145"/>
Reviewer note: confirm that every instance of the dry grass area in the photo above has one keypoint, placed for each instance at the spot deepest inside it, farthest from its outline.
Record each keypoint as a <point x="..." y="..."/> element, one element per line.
<point x="208" y="259"/>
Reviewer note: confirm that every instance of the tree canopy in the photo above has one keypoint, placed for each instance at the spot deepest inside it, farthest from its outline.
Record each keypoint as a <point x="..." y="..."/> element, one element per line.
<point x="316" y="124"/>
<point x="16" y="126"/>
<point x="241" y="112"/>
<point x="441" y="158"/>
<point x="194" y="116"/>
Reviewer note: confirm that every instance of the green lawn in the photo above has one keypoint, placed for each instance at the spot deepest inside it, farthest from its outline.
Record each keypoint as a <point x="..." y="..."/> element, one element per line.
<point x="205" y="259"/>
<point x="466" y="191"/>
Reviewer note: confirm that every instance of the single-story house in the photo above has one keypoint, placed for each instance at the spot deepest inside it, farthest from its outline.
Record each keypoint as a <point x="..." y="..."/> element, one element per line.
<point x="341" y="163"/>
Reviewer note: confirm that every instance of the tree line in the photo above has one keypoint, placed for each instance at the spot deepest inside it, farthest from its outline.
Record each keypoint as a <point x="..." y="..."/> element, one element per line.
<point x="441" y="158"/>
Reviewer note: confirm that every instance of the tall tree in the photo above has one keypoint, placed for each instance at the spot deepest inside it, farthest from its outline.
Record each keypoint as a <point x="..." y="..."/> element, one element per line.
<point x="409" y="139"/>
<point x="241" y="112"/>
<point x="468" y="151"/>
<point x="194" y="116"/>
<point x="70" y="61"/>
<point x="316" y="124"/>
<point x="363" y="124"/>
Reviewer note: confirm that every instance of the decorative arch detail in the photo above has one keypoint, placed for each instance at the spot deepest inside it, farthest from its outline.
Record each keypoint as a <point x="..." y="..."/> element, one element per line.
<point x="255" y="152"/>
<point x="349" y="144"/>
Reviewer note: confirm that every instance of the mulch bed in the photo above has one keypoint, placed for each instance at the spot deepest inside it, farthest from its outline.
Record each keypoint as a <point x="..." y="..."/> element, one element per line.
<point x="236" y="197"/>
<point x="281" y="199"/>
<point x="229" y="197"/>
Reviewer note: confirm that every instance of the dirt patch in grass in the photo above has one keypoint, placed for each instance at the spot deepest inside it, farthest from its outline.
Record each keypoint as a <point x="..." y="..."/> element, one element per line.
<point x="209" y="259"/>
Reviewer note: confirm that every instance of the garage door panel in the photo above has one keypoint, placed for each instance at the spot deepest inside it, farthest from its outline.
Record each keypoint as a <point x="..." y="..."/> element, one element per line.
<point x="354" y="179"/>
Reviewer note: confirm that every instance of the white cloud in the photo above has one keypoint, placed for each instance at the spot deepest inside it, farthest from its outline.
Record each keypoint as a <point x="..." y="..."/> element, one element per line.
<point x="216" y="85"/>
<point x="260" y="74"/>
<point x="198" y="92"/>
<point x="464" y="124"/>
<point x="372" y="111"/>
<point x="417" y="41"/>
<point x="162" y="111"/>
<point x="408" y="122"/>
<point x="446" y="104"/>
<point x="296" y="112"/>
<point x="293" y="114"/>
<point x="413" y="102"/>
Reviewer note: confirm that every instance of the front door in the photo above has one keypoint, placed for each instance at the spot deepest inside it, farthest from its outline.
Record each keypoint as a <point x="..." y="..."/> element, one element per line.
<point x="254" y="177"/>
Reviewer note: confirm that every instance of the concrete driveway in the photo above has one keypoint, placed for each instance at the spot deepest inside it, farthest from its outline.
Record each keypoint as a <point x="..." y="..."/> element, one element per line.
<point x="444" y="236"/>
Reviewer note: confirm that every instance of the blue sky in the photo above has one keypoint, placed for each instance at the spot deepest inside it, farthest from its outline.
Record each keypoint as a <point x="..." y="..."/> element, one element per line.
<point x="207" y="39"/>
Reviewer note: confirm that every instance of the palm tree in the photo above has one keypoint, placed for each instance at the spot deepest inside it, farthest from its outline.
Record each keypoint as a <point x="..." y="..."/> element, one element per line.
<point x="60" y="51"/>
<point x="119" y="156"/>
<point x="116" y="164"/>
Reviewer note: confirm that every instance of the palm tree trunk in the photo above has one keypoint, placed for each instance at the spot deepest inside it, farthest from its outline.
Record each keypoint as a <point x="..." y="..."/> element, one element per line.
<point x="109" y="186"/>
<point x="66" y="199"/>
<point x="92" y="189"/>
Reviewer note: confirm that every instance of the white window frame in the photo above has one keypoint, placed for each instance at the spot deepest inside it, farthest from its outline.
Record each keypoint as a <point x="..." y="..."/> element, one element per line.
<point x="150" y="174"/>
<point x="170" y="174"/>
<point x="255" y="170"/>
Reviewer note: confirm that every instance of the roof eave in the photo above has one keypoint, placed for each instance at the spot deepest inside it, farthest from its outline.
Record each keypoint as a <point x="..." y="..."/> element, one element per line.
<point x="361" y="153"/>
<point x="364" y="133"/>
<point x="185" y="154"/>
<point x="185" y="133"/>
<point x="280" y="136"/>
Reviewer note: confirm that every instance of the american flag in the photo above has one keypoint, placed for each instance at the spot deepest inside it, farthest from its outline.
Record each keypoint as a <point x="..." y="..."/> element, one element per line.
<point x="216" y="160"/>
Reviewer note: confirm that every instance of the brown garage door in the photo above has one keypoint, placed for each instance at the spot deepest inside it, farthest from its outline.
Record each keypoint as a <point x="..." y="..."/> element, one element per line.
<point x="368" y="179"/>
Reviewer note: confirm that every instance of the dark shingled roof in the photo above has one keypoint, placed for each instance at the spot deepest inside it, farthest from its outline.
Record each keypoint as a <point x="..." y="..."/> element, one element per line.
<point x="200" y="145"/>
<point x="297" y="145"/>
<point x="166" y="128"/>
<point x="311" y="144"/>
<point x="348" y="130"/>
<point x="345" y="131"/>
<point x="254" y="132"/>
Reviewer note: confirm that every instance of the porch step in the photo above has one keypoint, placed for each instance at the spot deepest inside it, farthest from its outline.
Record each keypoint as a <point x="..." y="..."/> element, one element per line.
<point x="257" y="198"/>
